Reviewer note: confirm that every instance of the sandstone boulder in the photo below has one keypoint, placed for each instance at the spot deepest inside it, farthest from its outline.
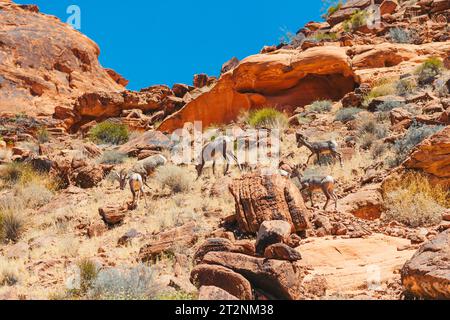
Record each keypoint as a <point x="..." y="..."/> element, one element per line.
<point x="212" y="293"/>
<point x="164" y="242"/>
<point x="278" y="279"/>
<point x="281" y="251"/>
<point x="427" y="274"/>
<point x="433" y="156"/>
<point x="113" y="214"/>
<point x="260" y="198"/>
<point x="223" y="245"/>
<point x="272" y="232"/>
<point x="366" y="203"/>
<point x="224" y="278"/>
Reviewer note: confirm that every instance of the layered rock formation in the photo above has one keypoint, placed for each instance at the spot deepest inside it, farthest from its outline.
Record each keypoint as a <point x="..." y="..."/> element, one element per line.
<point x="283" y="79"/>
<point x="45" y="63"/>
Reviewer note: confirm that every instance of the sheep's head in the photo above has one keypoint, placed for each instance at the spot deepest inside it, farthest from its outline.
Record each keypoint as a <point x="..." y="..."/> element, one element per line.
<point x="122" y="177"/>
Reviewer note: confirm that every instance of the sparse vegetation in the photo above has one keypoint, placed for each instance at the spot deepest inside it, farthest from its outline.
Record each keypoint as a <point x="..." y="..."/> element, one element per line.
<point x="356" y="21"/>
<point x="11" y="226"/>
<point x="320" y="106"/>
<point x="323" y="36"/>
<point x="268" y="118"/>
<point x="109" y="132"/>
<point x="122" y="284"/>
<point x="43" y="135"/>
<point x="405" y="87"/>
<point x="429" y="70"/>
<point x="176" y="178"/>
<point x="347" y="114"/>
<point x="413" y="201"/>
<point x="401" y="35"/>
<point x="88" y="274"/>
<point x="176" y="296"/>
<point x="113" y="157"/>
<point x="415" y="135"/>
<point x="383" y="87"/>
<point x="333" y="6"/>
<point x="9" y="273"/>
<point x="389" y="105"/>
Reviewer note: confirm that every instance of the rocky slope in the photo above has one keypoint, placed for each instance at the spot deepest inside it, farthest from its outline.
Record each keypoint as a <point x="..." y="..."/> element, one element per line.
<point x="249" y="235"/>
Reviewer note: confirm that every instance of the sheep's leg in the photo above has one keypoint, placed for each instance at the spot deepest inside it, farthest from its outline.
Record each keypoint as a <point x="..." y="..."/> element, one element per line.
<point x="319" y="159"/>
<point x="145" y="197"/>
<point x="328" y="199"/>
<point x="309" y="158"/>
<point x="214" y="167"/>
<point x="311" y="198"/>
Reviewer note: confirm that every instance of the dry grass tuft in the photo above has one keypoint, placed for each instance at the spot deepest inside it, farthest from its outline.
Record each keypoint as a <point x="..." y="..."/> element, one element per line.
<point x="413" y="201"/>
<point x="176" y="178"/>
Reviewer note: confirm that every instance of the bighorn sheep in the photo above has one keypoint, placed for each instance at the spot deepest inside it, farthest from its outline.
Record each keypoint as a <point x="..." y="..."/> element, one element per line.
<point x="319" y="148"/>
<point x="222" y="145"/>
<point x="136" y="184"/>
<point x="315" y="183"/>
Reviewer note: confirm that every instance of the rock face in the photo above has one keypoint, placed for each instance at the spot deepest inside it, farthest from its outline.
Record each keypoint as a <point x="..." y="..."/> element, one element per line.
<point x="279" y="279"/>
<point x="213" y="293"/>
<point x="285" y="78"/>
<point x="367" y="203"/>
<point x="433" y="156"/>
<point x="427" y="274"/>
<point x="224" y="278"/>
<point x="44" y="63"/>
<point x="272" y="232"/>
<point x="260" y="198"/>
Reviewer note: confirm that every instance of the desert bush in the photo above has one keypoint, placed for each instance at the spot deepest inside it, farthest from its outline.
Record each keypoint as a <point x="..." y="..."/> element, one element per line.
<point x="9" y="273"/>
<point x="405" y="87"/>
<point x="383" y="87"/>
<point x="389" y="105"/>
<point x="11" y="226"/>
<point x="176" y="178"/>
<point x="378" y="150"/>
<point x="109" y="132"/>
<point x="415" y="135"/>
<point x="113" y="157"/>
<point x="413" y="201"/>
<point x="370" y="126"/>
<point x="123" y="284"/>
<point x="429" y="70"/>
<point x="400" y="35"/>
<point x="268" y="118"/>
<point x="320" y="106"/>
<point x="357" y="20"/>
<point x="323" y="36"/>
<point x="88" y="274"/>
<point x="331" y="6"/>
<point x="347" y="114"/>
<point x="42" y="135"/>
<point x="22" y="174"/>
<point x="34" y="195"/>
<point x="366" y="140"/>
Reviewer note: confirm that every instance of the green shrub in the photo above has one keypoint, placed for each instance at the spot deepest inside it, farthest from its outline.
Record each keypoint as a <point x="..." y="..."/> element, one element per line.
<point x="429" y="70"/>
<point x="323" y="36"/>
<point x="113" y="157"/>
<point x="347" y="114"/>
<point x="320" y="106"/>
<point x="382" y="88"/>
<point x="109" y="133"/>
<point x="268" y="118"/>
<point x="378" y="150"/>
<point x="379" y="131"/>
<point x="333" y="7"/>
<point x="88" y="273"/>
<point x="357" y="20"/>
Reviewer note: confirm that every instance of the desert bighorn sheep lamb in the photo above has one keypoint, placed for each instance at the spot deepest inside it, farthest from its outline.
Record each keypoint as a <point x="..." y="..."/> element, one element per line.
<point x="325" y="184"/>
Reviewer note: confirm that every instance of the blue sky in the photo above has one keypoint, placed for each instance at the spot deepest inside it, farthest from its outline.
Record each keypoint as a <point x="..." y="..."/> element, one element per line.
<point x="165" y="42"/>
